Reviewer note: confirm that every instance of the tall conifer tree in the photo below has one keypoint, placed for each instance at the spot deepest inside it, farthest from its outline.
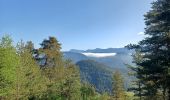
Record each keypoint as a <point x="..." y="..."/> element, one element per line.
<point x="118" y="86"/>
<point x="8" y="67"/>
<point x="155" y="49"/>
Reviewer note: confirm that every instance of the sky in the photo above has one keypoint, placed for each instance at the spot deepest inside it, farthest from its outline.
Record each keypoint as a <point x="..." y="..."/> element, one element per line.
<point x="77" y="24"/>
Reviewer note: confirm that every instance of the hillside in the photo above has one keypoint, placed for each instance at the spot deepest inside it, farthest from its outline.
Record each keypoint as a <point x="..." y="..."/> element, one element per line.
<point x="75" y="57"/>
<point x="97" y="74"/>
<point x="92" y="67"/>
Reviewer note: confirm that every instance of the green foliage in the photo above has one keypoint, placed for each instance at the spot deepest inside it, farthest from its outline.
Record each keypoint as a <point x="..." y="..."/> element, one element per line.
<point x="87" y="92"/>
<point x="66" y="88"/>
<point x="155" y="50"/>
<point x="8" y="66"/>
<point x="62" y="76"/>
<point x="118" y="86"/>
<point x="22" y="78"/>
<point x="97" y="74"/>
<point x="29" y="46"/>
<point x="129" y="96"/>
<point x="51" y="49"/>
<point x="29" y="74"/>
<point x="104" y="96"/>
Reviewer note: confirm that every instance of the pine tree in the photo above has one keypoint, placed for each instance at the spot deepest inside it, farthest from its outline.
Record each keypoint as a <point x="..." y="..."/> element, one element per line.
<point x="19" y="74"/>
<point x="70" y="89"/>
<point x="52" y="65"/>
<point x="155" y="49"/>
<point x="8" y="66"/>
<point x="63" y="77"/>
<point x="29" y="74"/>
<point x="87" y="91"/>
<point x="118" y="86"/>
<point x="138" y="85"/>
<point x="51" y="49"/>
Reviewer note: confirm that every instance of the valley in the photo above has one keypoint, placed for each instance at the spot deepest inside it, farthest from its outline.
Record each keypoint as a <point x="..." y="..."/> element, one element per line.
<point x="98" y="65"/>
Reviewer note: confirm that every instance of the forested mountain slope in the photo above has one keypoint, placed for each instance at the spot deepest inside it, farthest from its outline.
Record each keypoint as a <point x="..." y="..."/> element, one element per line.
<point x="97" y="74"/>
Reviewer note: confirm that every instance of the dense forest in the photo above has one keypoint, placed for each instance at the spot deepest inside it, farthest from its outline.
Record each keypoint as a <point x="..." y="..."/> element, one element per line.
<point x="42" y="74"/>
<point x="28" y="73"/>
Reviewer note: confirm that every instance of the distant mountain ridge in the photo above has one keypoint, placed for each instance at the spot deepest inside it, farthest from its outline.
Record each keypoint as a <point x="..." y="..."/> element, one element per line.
<point x="99" y="50"/>
<point x="122" y="57"/>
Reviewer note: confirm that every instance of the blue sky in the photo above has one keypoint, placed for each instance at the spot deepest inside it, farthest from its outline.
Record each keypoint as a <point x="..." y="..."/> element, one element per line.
<point x="77" y="24"/>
